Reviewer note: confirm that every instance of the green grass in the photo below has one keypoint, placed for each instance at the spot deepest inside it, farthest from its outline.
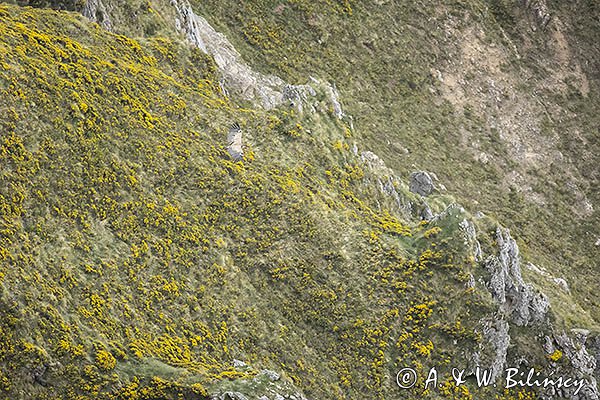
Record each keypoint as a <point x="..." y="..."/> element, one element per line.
<point x="127" y="232"/>
<point x="381" y="60"/>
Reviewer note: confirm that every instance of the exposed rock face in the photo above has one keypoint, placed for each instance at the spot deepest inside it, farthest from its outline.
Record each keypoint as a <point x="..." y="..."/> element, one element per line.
<point x="426" y="214"/>
<point x="421" y="183"/>
<point x="522" y="305"/>
<point x="518" y="300"/>
<point x="374" y="162"/>
<point x="270" y="375"/>
<point x="37" y="374"/>
<point x="230" y="396"/>
<point x="265" y="385"/>
<point x="593" y="343"/>
<point x="470" y="234"/>
<point x="539" y="11"/>
<point x="297" y="95"/>
<point x="560" y="282"/>
<point x="235" y="142"/>
<point x="496" y="340"/>
<point x="268" y="90"/>
<point x="334" y="96"/>
<point x="386" y="180"/>
<point x="95" y="11"/>
<point x="573" y="348"/>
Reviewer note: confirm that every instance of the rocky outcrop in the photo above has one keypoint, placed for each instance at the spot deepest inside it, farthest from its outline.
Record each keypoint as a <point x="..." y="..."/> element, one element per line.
<point x="386" y="180"/>
<point x="421" y="183"/>
<point x="95" y="11"/>
<point x="538" y="9"/>
<point x="267" y="90"/>
<point x="470" y="235"/>
<point x="493" y="349"/>
<point x="235" y="142"/>
<point x="520" y="302"/>
<point x="268" y="374"/>
<point x="593" y="344"/>
<point x="230" y="396"/>
<point x="582" y="365"/>
<point x="335" y="102"/>
<point x="265" y="385"/>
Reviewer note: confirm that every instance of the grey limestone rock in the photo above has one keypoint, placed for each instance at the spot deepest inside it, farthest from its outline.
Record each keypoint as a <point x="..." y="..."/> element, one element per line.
<point x="583" y="364"/>
<point x="235" y="142"/>
<point x="95" y="11"/>
<point x="421" y="183"/>
<point x="237" y="77"/>
<point x="335" y="102"/>
<point x="271" y="375"/>
<point x="520" y="301"/>
<point x="426" y="213"/>
<point x="386" y="179"/>
<point x="496" y="339"/>
<point x="230" y="396"/>
<point x="470" y="234"/>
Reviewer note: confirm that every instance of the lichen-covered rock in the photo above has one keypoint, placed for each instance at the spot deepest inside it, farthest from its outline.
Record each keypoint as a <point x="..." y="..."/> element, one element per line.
<point x="582" y="364"/>
<point x="493" y="348"/>
<point x="421" y="183"/>
<point x="522" y="302"/>
<point x="95" y="11"/>
<point x="268" y="90"/>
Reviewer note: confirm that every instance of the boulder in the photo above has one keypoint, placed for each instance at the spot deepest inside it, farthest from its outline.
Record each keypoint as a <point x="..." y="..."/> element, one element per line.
<point x="421" y="183"/>
<point x="235" y="143"/>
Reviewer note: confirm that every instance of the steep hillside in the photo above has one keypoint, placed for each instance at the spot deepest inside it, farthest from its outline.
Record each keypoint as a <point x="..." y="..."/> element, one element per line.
<point x="187" y="214"/>
<point x="499" y="102"/>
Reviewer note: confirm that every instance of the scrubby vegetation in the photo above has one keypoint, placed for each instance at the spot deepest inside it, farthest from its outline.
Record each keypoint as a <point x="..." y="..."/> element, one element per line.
<point x="138" y="260"/>
<point x="384" y="56"/>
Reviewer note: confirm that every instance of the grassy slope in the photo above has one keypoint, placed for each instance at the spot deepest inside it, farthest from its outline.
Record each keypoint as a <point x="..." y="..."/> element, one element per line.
<point x="381" y="53"/>
<point x="137" y="260"/>
<point x="133" y="250"/>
